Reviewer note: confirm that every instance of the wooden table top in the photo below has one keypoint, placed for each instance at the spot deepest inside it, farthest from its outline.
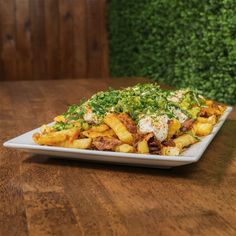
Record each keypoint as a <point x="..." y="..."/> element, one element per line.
<point x="44" y="196"/>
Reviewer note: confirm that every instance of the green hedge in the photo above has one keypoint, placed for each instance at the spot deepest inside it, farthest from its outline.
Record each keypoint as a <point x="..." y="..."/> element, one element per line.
<point x="182" y="43"/>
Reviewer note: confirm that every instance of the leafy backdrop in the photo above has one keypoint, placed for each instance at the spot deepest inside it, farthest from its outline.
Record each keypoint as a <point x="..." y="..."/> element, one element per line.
<point x="182" y="43"/>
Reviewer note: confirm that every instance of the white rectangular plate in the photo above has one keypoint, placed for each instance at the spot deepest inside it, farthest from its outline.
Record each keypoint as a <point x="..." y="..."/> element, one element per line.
<point x="192" y="154"/>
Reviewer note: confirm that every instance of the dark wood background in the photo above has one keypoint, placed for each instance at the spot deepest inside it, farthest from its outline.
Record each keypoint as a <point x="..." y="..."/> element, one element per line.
<point x="53" y="39"/>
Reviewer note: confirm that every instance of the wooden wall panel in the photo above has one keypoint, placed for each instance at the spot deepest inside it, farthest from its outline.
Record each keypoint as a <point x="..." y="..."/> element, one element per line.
<point x="96" y="34"/>
<point x="38" y="37"/>
<point x="66" y="38"/>
<point x="80" y="38"/>
<point x="8" y="41"/>
<point x="104" y="39"/>
<point x="23" y="40"/>
<point x="94" y="31"/>
<point x="1" y="43"/>
<point x="52" y="35"/>
<point x="53" y="39"/>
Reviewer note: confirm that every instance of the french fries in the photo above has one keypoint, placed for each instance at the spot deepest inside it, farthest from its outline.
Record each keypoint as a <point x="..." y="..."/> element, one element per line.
<point x="54" y="138"/>
<point x="141" y="119"/>
<point x="211" y="120"/>
<point x="94" y="134"/>
<point x="170" y="151"/>
<point x="202" y="129"/>
<point x="100" y="128"/>
<point x="174" y="127"/>
<point x="120" y="130"/>
<point x="84" y="143"/>
<point x="213" y="109"/>
<point x="184" y="141"/>
<point x="124" y="148"/>
<point x="49" y="139"/>
<point x="143" y="147"/>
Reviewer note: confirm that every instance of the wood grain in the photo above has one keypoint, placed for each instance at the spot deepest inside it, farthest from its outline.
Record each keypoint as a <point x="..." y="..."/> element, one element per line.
<point x="45" y="196"/>
<point x="80" y="38"/>
<point x="8" y="41"/>
<point x="52" y="35"/>
<point x="53" y="39"/>
<point x="94" y="32"/>
<point x="66" y="37"/>
<point x="23" y="40"/>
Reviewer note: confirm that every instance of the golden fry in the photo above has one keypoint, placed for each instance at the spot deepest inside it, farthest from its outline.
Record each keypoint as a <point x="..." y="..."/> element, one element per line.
<point x="184" y="140"/>
<point x="123" y="134"/>
<point x="84" y="143"/>
<point x="49" y="139"/>
<point x="213" y="109"/>
<point x="209" y="102"/>
<point x="55" y="138"/>
<point x="94" y="134"/>
<point x="46" y="129"/>
<point x="124" y="148"/>
<point x="202" y="129"/>
<point x="100" y="128"/>
<point x="143" y="147"/>
<point x="174" y="127"/>
<point x="170" y="151"/>
<point x="211" y="120"/>
<point x="222" y="109"/>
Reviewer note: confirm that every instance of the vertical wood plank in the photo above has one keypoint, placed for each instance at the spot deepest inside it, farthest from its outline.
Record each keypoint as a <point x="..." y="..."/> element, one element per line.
<point x="66" y="19"/>
<point x="37" y="18"/>
<point x="52" y="39"/>
<point x="94" y="38"/>
<point x="1" y="42"/>
<point x="80" y="38"/>
<point x="104" y="39"/>
<point x="9" y="66"/>
<point x="23" y="40"/>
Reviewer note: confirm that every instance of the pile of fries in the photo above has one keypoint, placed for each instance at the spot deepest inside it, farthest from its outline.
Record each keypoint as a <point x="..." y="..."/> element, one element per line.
<point x="119" y="129"/>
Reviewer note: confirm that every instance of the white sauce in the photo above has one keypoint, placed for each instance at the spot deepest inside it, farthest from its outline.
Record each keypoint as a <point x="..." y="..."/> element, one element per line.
<point x="89" y="116"/>
<point x="159" y="126"/>
<point x="181" y="117"/>
<point x="145" y="125"/>
<point x="176" y="96"/>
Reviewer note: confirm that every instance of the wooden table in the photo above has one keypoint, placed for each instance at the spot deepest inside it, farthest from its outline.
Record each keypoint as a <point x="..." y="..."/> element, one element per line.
<point x="44" y="196"/>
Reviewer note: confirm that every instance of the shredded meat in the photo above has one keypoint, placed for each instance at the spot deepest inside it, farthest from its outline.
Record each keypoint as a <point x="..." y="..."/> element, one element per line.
<point x="169" y="122"/>
<point x="128" y="122"/>
<point x="106" y="143"/>
<point x="188" y="124"/>
<point x="158" y="152"/>
<point x="153" y="142"/>
<point x="137" y="138"/>
<point x="154" y="145"/>
<point x="169" y="142"/>
<point x="203" y="112"/>
<point x="154" y="149"/>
